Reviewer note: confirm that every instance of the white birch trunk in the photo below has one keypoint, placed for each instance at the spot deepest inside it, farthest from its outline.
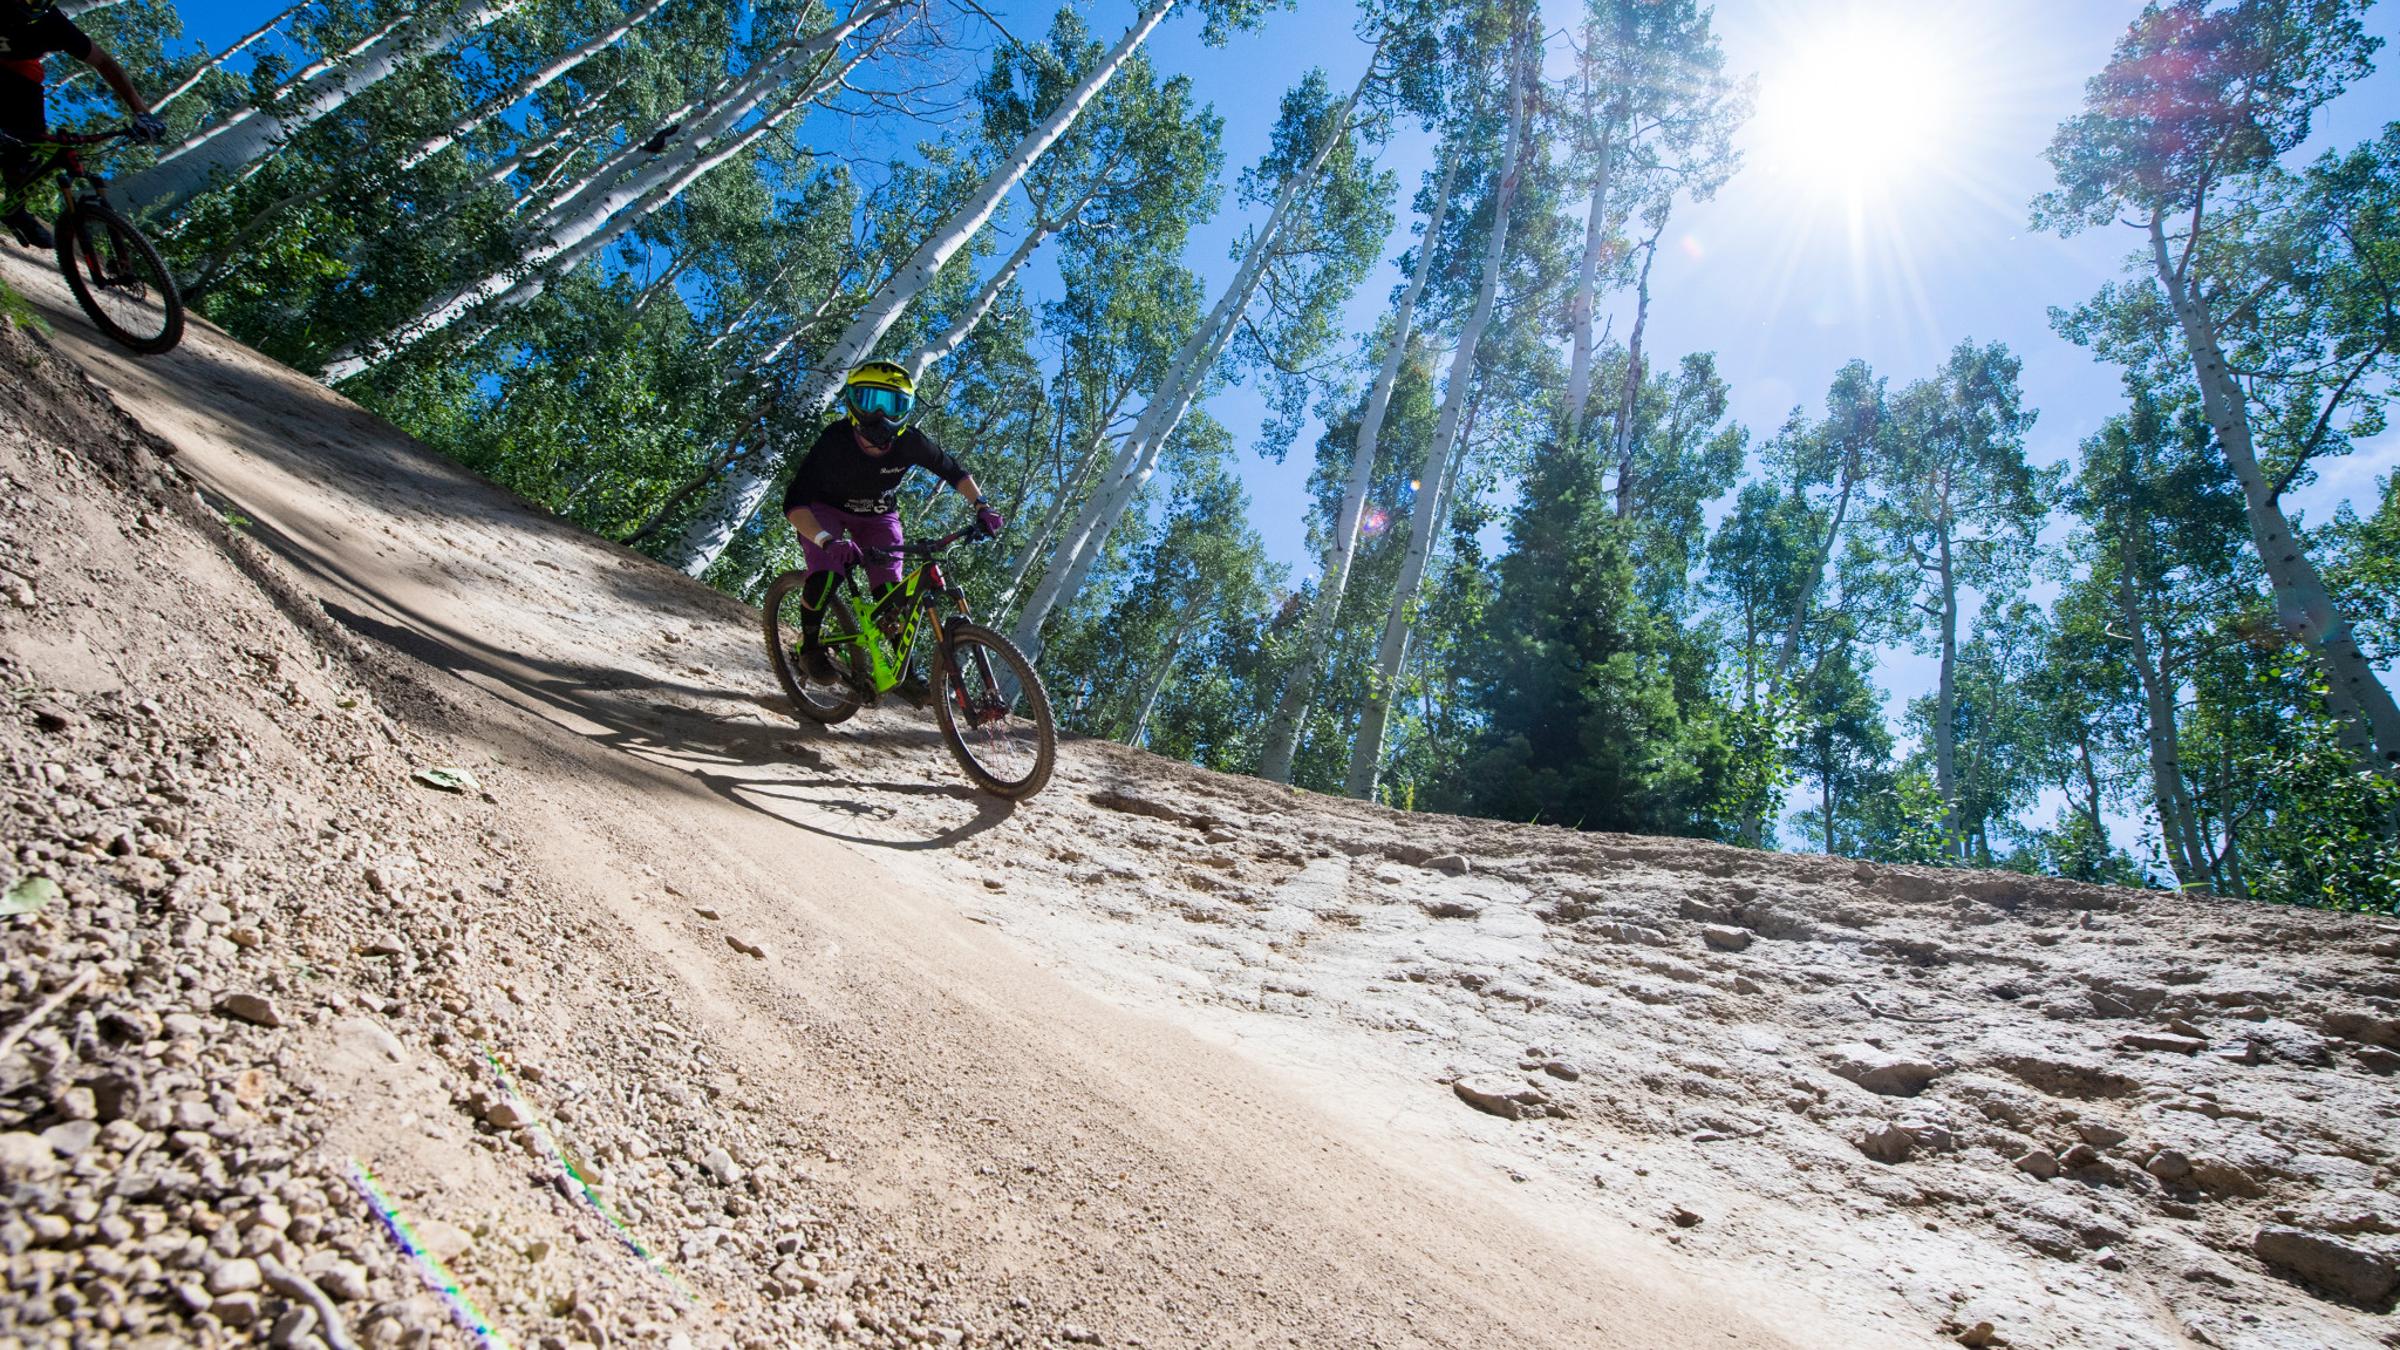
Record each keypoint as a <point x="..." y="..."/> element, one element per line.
<point x="528" y="87"/>
<point x="2186" y="855"/>
<point x="1790" y="647"/>
<point x="301" y="78"/>
<point x="530" y="151"/>
<point x="1137" y="460"/>
<point x="1038" y="542"/>
<point x="1291" y="710"/>
<point x="1158" y="684"/>
<point x="607" y="215"/>
<point x="747" y="486"/>
<point x="525" y="286"/>
<point x="236" y="145"/>
<point x="1631" y="404"/>
<point x="972" y="315"/>
<point x="2302" y="601"/>
<point x="1037" y="545"/>
<point x="689" y="129"/>
<point x="651" y="294"/>
<point x="1582" y="310"/>
<point x="537" y="194"/>
<point x="1945" y="725"/>
<point x="1366" y="752"/>
<point x="776" y="350"/>
<point x="674" y="130"/>
<point x="740" y="322"/>
<point x="217" y="62"/>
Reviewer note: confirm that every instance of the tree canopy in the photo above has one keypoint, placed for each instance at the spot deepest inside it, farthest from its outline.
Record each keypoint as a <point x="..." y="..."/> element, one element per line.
<point x="618" y="253"/>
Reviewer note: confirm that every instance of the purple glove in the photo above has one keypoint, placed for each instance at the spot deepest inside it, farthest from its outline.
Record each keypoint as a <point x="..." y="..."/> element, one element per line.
<point x="842" y="554"/>
<point x="988" y="521"/>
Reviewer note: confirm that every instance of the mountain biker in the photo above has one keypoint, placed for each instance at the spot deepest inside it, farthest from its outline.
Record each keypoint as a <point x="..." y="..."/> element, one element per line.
<point x="29" y="31"/>
<point x="844" y="487"/>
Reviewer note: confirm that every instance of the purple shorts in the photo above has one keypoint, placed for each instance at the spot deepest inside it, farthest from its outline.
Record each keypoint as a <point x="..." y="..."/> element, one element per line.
<point x="881" y="530"/>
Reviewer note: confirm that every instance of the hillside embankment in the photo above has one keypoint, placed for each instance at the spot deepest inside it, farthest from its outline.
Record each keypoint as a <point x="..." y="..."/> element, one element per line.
<point x="672" y="1021"/>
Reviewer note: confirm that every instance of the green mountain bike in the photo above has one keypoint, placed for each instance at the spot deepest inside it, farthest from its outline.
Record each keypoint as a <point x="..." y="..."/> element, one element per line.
<point x="993" y="711"/>
<point x="114" y="272"/>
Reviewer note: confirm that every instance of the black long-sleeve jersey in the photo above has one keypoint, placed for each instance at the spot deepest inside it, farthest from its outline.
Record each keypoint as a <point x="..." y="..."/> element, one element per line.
<point x="837" y="472"/>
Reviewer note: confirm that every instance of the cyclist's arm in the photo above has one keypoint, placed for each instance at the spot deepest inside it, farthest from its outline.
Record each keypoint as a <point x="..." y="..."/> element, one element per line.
<point x="805" y="521"/>
<point x="117" y="79"/>
<point x="932" y="458"/>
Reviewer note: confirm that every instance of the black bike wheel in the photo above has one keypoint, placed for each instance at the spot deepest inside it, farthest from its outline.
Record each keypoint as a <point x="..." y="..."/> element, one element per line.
<point x="819" y="702"/>
<point x="995" y="715"/>
<point x="118" y="279"/>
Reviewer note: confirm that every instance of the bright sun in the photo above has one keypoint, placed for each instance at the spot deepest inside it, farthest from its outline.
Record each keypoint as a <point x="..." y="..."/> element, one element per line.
<point x="1859" y="110"/>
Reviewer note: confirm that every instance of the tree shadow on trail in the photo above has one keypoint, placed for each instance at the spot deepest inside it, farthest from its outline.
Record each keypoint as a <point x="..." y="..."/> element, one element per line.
<point x="371" y="504"/>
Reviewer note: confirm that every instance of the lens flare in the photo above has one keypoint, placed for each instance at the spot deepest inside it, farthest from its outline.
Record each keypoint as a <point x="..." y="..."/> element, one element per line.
<point x="1859" y="107"/>
<point x="463" y="1310"/>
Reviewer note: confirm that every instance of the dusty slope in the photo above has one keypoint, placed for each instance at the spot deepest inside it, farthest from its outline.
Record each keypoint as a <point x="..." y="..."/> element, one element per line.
<point x="872" y="1119"/>
<point x="1347" y="1077"/>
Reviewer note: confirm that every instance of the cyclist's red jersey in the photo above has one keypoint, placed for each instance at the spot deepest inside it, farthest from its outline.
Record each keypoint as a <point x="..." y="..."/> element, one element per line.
<point x="30" y="32"/>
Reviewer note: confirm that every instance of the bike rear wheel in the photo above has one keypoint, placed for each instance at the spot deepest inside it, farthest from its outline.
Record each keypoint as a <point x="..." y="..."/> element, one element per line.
<point x="815" y="700"/>
<point x="118" y="279"/>
<point x="994" y="713"/>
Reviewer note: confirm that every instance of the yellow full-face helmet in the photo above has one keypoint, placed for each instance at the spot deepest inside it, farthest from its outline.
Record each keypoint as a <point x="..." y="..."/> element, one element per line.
<point x="879" y="395"/>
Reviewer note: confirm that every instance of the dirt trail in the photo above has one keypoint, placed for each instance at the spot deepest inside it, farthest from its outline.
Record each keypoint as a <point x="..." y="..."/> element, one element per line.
<point x="1161" y="1057"/>
<point x="979" y="1146"/>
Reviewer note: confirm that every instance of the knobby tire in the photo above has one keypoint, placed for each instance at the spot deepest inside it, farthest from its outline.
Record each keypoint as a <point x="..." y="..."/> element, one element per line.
<point x="972" y="661"/>
<point x="120" y="245"/>
<point x="818" y="703"/>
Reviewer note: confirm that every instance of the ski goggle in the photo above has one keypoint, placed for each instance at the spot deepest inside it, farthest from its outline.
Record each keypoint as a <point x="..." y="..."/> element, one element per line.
<point x="868" y="400"/>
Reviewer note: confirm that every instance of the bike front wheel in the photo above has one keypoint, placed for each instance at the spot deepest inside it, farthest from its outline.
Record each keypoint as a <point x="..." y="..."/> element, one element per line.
<point x="814" y="699"/>
<point x="994" y="713"/>
<point x="118" y="279"/>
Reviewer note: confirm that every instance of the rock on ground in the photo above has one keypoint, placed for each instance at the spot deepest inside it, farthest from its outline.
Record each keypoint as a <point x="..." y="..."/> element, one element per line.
<point x="210" y="753"/>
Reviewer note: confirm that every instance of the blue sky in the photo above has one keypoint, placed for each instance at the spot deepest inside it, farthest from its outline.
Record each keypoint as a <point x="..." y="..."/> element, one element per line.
<point x="1783" y="287"/>
<point x="1782" y="278"/>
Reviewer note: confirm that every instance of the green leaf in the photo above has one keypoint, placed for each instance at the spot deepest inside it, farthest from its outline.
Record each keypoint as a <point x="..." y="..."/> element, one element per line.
<point x="29" y="895"/>
<point x="448" y="780"/>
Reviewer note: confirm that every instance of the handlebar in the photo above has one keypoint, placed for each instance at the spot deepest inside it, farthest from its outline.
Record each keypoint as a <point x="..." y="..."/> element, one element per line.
<point x="94" y="137"/>
<point x="71" y="138"/>
<point x="932" y="548"/>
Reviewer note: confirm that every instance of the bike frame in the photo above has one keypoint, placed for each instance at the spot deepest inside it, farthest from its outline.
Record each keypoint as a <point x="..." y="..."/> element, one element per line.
<point x="57" y="156"/>
<point x="918" y="596"/>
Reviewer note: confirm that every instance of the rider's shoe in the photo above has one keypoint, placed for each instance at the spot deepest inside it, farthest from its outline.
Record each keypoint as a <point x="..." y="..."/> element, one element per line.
<point x="30" y="231"/>
<point x="913" y="687"/>
<point x="816" y="667"/>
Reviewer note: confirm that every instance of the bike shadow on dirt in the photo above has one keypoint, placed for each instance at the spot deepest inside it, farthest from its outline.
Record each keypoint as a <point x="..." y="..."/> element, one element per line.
<point x="989" y="810"/>
<point x="745" y="763"/>
<point x="709" y="734"/>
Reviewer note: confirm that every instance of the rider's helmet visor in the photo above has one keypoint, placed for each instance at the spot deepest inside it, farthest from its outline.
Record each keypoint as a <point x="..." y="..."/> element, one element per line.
<point x="869" y="400"/>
